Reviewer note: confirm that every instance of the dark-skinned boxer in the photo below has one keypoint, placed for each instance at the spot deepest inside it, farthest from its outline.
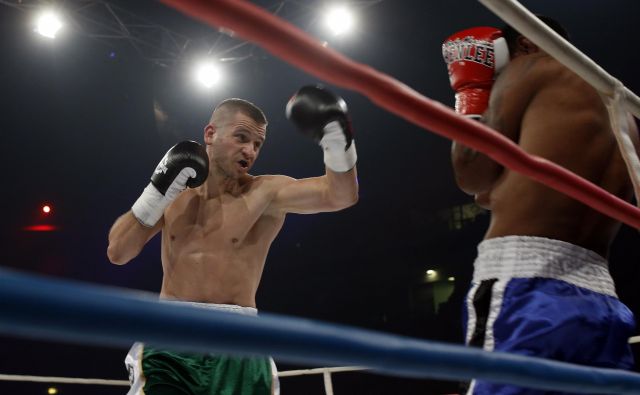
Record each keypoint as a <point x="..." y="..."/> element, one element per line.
<point x="541" y="284"/>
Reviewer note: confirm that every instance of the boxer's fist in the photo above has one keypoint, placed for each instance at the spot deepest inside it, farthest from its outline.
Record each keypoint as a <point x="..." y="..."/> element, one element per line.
<point x="323" y="116"/>
<point x="474" y="57"/>
<point x="186" y="164"/>
<point x="185" y="158"/>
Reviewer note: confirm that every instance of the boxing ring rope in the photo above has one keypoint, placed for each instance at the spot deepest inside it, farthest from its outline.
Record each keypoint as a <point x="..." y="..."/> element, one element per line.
<point x="294" y="46"/>
<point x="304" y="372"/>
<point x="325" y="372"/>
<point x="32" y="306"/>
<point x="62" y="380"/>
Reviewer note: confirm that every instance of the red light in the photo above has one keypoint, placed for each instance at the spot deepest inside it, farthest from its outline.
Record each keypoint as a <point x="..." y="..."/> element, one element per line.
<point x="40" y="228"/>
<point x="46" y="209"/>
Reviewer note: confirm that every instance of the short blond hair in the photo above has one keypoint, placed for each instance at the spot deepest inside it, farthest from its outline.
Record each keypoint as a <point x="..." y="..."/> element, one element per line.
<point x="234" y="105"/>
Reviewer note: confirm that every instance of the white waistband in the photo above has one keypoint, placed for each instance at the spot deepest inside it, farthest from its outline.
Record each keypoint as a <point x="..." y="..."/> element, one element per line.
<point x="527" y="257"/>
<point x="230" y="308"/>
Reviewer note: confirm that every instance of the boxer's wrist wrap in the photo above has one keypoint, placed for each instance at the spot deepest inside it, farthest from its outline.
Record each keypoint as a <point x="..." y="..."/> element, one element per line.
<point x="149" y="207"/>
<point x="333" y="145"/>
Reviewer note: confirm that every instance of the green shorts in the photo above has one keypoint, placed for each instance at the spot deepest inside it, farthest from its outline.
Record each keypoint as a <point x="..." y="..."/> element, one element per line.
<point x="154" y="371"/>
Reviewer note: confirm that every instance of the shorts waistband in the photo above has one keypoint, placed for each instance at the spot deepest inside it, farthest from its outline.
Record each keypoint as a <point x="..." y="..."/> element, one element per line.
<point x="529" y="257"/>
<point x="229" y="308"/>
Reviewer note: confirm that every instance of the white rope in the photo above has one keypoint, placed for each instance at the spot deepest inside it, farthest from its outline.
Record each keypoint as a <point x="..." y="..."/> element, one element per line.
<point x="624" y="127"/>
<point x="634" y="339"/>
<point x="303" y="372"/>
<point x="516" y="15"/>
<point x="74" y="380"/>
<point x="65" y="380"/>
<point x="328" y="385"/>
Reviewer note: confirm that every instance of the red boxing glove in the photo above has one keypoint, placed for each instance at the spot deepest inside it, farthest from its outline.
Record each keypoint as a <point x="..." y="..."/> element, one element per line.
<point x="474" y="57"/>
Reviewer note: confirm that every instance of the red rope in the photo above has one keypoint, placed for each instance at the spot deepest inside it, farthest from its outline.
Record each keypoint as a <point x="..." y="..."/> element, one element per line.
<point x="296" y="47"/>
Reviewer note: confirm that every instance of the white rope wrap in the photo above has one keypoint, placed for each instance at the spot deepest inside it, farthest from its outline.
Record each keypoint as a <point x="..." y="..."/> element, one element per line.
<point x="623" y="126"/>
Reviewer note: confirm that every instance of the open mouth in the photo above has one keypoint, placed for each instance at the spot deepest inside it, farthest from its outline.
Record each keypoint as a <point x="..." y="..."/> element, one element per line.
<point x="243" y="163"/>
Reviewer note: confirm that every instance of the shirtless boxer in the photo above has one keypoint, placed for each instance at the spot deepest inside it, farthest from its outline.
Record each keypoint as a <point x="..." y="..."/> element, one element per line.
<point x="541" y="284"/>
<point x="216" y="233"/>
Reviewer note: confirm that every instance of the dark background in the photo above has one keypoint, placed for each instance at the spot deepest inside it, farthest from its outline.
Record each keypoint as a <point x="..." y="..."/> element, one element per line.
<point x="78" y="131"/>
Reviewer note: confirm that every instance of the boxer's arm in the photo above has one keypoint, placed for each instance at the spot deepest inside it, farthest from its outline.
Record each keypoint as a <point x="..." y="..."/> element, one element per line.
<point x="474" y="171"/>
<point x="512" y="93"/>
<point x="127" y="237"/>
<point x="332" y="192"/>
<point x="321" y="115"/>
<point x="186" y="164"/>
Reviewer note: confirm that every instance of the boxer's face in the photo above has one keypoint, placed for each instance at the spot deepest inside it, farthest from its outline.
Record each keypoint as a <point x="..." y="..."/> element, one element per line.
<point x="235" y="143"/>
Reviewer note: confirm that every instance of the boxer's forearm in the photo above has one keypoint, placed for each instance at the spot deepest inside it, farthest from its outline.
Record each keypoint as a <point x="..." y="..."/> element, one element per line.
<point x="474" y="171"/>
<point x="127" y="237"/>
<point x="342" y="188"/>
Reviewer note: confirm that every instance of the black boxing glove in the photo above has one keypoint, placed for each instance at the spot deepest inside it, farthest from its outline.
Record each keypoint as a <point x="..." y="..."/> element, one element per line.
<point x="186" y="164"/>
<point x="323" y="116"/>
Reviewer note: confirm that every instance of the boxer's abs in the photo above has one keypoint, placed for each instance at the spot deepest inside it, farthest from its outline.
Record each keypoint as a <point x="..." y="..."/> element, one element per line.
<point x="218" y="258"/>
<point x="212" y="277"/>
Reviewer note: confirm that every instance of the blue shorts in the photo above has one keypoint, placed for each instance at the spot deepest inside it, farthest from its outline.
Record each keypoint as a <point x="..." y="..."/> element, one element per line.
<point x="545" y="298"/>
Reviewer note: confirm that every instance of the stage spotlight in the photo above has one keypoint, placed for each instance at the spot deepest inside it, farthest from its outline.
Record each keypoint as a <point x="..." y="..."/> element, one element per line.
<point x="48" y="24"/>
<point x="208" y="74"/>
<point x="339" y="20"/>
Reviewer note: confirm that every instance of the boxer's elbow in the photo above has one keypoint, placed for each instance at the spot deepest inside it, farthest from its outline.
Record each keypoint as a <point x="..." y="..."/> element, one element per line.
<point x="349" y="197"/>
<point x="117" y="255"/>
<point x="476" y="176"/>
<point x="349" y="200"/>
<point x="473" y="184"/>
<point x="469" y="184"/>
<point x="340" y="202"/>
<point x="341" y="190"/>
<point x="354" y="199"/>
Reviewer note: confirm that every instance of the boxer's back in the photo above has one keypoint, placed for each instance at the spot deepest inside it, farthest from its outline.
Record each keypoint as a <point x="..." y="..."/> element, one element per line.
<point x="566" y="122"/>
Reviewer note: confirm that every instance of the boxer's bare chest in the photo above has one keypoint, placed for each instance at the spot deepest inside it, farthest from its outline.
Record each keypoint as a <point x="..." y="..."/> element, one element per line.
<point x="220" y="222"/>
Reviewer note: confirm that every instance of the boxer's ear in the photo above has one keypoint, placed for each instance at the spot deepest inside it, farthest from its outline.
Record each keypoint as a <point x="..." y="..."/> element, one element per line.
<point x="526" y="46"/>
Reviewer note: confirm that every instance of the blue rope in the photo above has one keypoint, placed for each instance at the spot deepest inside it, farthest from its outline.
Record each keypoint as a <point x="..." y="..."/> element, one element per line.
<point x="37" y="307"/>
